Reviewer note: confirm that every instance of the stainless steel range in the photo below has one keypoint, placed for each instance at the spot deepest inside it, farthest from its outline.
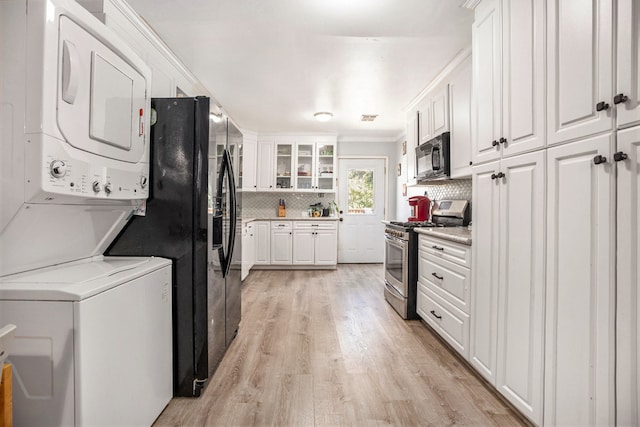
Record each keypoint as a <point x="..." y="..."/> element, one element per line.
<point x="401" y="254"/>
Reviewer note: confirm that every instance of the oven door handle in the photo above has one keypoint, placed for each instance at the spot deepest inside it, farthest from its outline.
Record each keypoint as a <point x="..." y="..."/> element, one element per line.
<point x="399" y="243"/>
<point x="392" y="289"/>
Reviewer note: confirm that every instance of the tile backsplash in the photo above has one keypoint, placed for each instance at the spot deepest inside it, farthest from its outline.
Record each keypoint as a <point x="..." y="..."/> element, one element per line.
<point x="265" y="205"/>
<point x="451" y="189"/>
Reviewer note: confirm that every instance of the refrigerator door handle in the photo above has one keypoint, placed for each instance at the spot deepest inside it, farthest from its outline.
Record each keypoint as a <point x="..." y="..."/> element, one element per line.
<point x="226" y="171"/>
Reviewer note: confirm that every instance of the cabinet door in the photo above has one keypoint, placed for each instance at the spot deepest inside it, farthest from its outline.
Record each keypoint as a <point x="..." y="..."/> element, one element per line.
<point x="281" y="246"/>
<point x="580" y="295"/>
<point x="325" y="167"/>
<point x="579" y="68"/>
<point x="523" y="97"/>
<point x="247" y="166"/>
<point x="440" y="111"/>
<point x="262" y="231"/>
<point x="484" y="270"/>
<point x="326" y="247"/>
<point x="425" y="128"/>
<point x="520" y="356"/>
<point x="303" y="242"/>
<point x="487" y="80"/>
<point x="460" y="99"/>
<point x="412" y="143"/>
<point x="628" y="78"/>
<point x="304" y="165"/>
<point x="284" y="166"/>
<point x="265" y="166"/>
<point x="628" y="277"/>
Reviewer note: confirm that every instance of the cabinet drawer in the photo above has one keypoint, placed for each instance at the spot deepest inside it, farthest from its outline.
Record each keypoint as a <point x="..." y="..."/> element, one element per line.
<point x="447" y="279"/>
<point x="449" y="322"/>
<point x="281" y="225"/>
<point x="311" y="225"/>
<point x="446" y="249"/>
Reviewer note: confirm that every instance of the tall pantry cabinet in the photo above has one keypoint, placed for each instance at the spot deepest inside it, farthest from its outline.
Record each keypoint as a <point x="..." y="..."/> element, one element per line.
<point x="507" y="304"/>
<point x="585" y="218"/>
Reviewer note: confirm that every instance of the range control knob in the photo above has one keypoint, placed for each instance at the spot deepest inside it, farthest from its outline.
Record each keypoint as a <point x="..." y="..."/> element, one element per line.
<point x="58" y="168"/>
<point x="96" y="186"/>
<point x="108" y="188"/>
<point x="143" y="181"/>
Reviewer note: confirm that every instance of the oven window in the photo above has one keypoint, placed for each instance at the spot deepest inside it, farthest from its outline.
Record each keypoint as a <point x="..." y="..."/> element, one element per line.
<point x="394" y="261"/>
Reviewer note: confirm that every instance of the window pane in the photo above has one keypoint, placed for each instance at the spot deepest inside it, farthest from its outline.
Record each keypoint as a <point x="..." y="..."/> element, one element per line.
<point x="360" y="192"/>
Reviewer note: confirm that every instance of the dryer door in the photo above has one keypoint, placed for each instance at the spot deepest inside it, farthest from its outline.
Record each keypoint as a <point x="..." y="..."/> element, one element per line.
<point x="101" y="96"/>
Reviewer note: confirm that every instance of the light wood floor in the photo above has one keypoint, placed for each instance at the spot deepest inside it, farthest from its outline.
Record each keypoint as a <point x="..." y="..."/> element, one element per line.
<point x="324" y="348"/>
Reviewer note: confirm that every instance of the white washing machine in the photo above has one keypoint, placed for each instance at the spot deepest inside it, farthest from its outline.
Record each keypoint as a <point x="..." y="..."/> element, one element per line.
<point x="93" y="342"/>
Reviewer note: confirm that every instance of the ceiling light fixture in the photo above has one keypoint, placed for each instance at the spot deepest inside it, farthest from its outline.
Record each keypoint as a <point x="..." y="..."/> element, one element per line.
<point x="323" y="116"/>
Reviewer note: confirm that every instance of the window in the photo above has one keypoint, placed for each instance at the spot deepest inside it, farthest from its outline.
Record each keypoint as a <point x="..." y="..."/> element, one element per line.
<point x="361" y="192"/>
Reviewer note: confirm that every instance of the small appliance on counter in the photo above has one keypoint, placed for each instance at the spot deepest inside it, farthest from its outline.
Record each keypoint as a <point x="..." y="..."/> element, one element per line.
<point x="420" y="206"/>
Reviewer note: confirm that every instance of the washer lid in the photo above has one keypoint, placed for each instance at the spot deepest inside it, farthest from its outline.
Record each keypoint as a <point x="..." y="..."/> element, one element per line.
<point x="77" y="280"/>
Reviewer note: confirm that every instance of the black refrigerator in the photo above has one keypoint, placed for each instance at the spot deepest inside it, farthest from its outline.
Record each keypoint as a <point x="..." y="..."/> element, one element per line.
<point x="192" y="217"/>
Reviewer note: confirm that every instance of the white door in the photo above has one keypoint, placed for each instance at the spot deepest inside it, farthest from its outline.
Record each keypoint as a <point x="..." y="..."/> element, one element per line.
<point x="579" y="69"/>
<point x="628" y="275"/>
<point x="580" y="295"/>
<point x="361" y="198"/>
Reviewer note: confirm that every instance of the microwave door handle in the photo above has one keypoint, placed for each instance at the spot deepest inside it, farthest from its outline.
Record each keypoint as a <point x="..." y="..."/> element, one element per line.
<point x="435" y="158"/>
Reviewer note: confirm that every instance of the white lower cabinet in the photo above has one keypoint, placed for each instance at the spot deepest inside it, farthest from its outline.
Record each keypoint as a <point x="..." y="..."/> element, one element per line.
<point x="248" y="249"/>
<point x="443" y="289"/>
<point x="281" y="242"/>
<point x="580" y="293"/>
<point x="262" y="235"/>
<point x="315" y="243"/>
<point x="507" y="301"/>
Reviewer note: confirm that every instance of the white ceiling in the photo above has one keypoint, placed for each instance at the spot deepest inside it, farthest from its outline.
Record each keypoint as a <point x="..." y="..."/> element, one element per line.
<point x="271" y="64"/>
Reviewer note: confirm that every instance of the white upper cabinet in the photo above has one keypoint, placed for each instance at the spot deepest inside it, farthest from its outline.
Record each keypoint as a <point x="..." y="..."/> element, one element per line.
<point x="508" y="108"/>
<point x="284" y="166"/>
<point x="579" y="69"/>
<point x="460" y="101"/>
<point x="440" y="112"/>
<point x="412" y="143"/>
<point x="265" y="176"/>
<point x="627" y="96"/>
<point x="486" y="109"/>
<point x="247" y="166"/>
<point x="425" y="129"/>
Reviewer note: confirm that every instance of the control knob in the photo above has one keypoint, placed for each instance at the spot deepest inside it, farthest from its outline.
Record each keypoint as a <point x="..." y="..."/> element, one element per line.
<point x="58" y="168"/>
<point x="96" y="186"/>
<point x="108" y="188"/>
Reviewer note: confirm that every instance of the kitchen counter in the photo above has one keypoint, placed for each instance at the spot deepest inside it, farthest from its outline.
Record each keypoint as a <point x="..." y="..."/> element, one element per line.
<point x="455" y="234"/>
<point x="297" y="218"/>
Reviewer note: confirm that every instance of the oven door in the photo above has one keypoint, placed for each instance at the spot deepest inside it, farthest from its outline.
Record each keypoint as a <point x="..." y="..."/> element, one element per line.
<point x="396" y="264"/>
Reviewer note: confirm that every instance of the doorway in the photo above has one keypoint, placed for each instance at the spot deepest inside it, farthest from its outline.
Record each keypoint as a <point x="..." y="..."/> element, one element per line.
<point x="362" y="198"/>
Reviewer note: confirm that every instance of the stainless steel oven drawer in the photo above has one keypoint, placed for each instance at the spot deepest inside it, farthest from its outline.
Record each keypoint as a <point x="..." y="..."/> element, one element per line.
<point x="397" y="301"/>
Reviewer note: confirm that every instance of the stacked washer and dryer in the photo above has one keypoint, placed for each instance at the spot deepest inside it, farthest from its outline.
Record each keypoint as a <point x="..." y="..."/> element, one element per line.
<point x="93" y="340"/>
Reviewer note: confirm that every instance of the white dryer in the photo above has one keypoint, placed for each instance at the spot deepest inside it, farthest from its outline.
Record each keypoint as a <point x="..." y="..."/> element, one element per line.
<point x="93" y="342"/>
<point x="74" y="146"/>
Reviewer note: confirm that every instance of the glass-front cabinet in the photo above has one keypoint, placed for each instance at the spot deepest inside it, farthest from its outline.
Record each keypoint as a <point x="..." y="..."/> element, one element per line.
<point x="304" y="167"/>
<point x="284" y="166"/>
<point x="325" y="161"/>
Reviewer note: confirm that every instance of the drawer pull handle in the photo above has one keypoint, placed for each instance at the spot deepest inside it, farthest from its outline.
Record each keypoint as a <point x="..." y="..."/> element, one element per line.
<point x="436" y="276"/>
<point x="435" y="315"/>
<point x="437" y="248"/>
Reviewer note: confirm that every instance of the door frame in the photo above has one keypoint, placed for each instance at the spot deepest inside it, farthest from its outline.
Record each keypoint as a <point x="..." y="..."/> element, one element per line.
<point x="385" y="173"/>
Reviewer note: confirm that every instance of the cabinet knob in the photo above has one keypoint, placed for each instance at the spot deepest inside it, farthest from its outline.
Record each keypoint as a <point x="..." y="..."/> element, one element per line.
<point x="502" y="140"/>
<point x="494" y="143"/>
<point x="435" y="315"/>
<point x="599" y="159"/>
<point x="620" y="98"/>
<point x="600" y="106"/>
<point x="619" y="156"/>
<point x="500" y="175"/>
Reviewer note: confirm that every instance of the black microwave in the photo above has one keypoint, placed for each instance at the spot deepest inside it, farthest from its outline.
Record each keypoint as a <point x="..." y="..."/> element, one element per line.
<point x="433" y="158"/>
